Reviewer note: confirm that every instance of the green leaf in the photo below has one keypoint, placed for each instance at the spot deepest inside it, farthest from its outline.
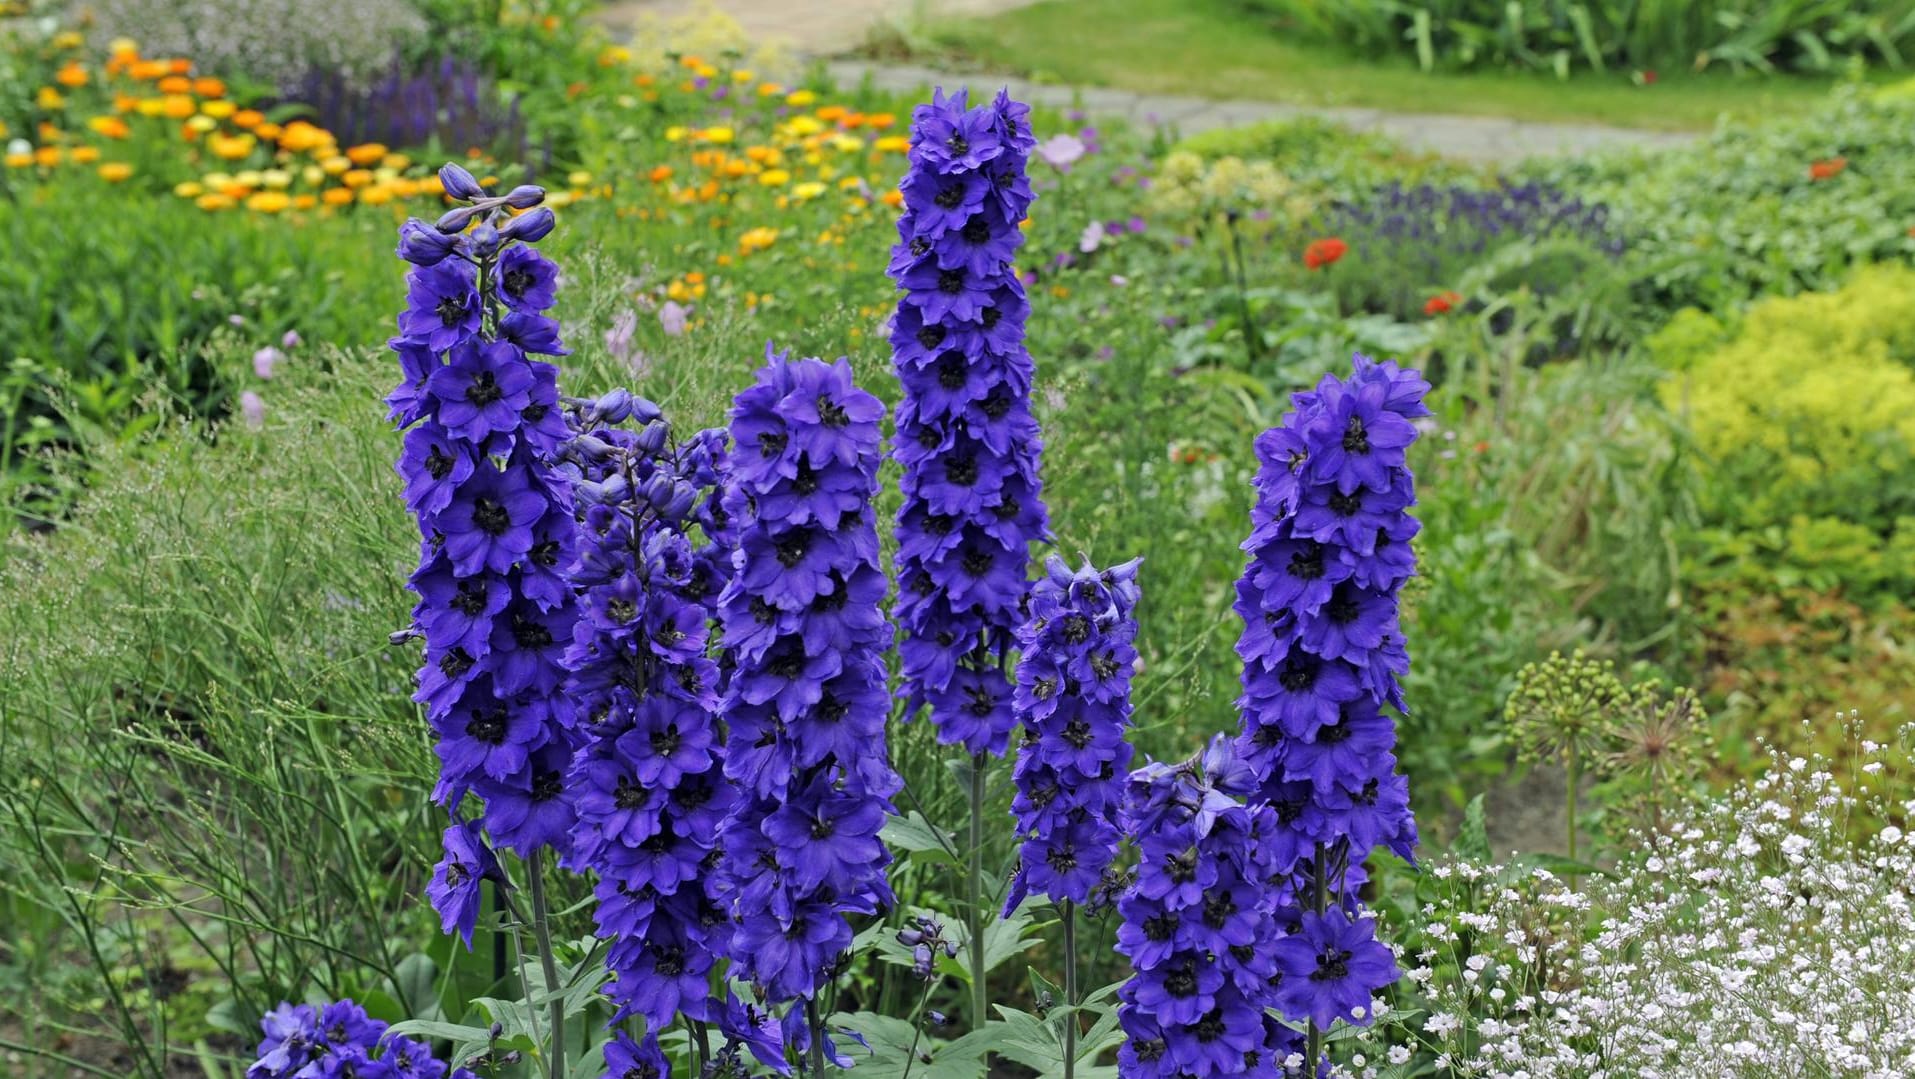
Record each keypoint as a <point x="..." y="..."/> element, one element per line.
<point x="417" y="981"/>
<point x="912" y="833"/>
<point x="1472" y="840"/>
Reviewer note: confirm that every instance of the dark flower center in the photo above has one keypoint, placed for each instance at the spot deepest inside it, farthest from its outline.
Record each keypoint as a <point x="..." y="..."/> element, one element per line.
<point x="546" y="786"/>
<point x="962" y="470"/>
<point x="517" y="280"/>
<point x="806" y="481"/>
<point x="450" y="309"/>
<point x="1218" y="909"/>
<point x="1332" y="965"/>
<point x="629" y="795"/>
<point x="455" y="663"/>
<point x="1298" y="675"/>
<point x="1076" y="734"/>
<point x="951" y="197"/>
<point x="621" y="610"/>
<point x="456" y="874"/>
<point x="771" y="444"/>
<point x="761" y="612"/>
<point x="533" y="413"/>
<point x="953" y="371"/>
<point x="1182" y="867"/>
<point x="931" y="336"/>
<point x="1334" y="734"/>
<point x="992" y="316"/>
<point x="490" y="515"/>
<point x="788" y="664"/>
<point x="831" y="709"/>
<point x="1008" y="509"/>
<point x="996" y="403"/>
<point x="976" y="230"/>
<point x="671" y="961"/>
<point x="531" y="633"/>
<point x="1210" y="1027"/>
<point x="438" y="465"/>
<point x="792" y="547"/>
<point x="822" y="827"/>
<point x="1343" y="609"/>
<point x="1307" y="564"/>
<point x="1160" y="927"/>
<point x="545" y="554"/>
<point x="1103" y="665"/>
<point x="982" y="702"/>
<point x="1063" y="859"/>
<point x="1346" y="505"/>
<point x="666" y="742"/>
<point x="487" y="725"/>
<point x="1181" y="982"/>
<point x="1355" y="438"/>
<point x="831" y="413"/>
<point x="958" y="143"/>
<point x="470" y="600"/>
<point x="950" y="282"/>
<point x="977" y="562"/>
<point x="1150" y="1051"/>
<point x="1076" y="629"/>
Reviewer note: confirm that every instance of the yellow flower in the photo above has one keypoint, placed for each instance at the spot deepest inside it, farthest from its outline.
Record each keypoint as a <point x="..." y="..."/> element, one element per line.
<point x="614" y="55"/>
<point x="68" y="39"/>
<point x="214" y="201"/>
<point x="769" y="89"/>
<point x="110" y="126"/>
<point x="376" y="196"/>
<point x="580" y="178"/>
<point x="800" y="126"/>
<point x="894" y="144"/>
<point x="704" y="71"/>
<point x="189" y="189"/>
<point x="846" y="144"/>
<point x="217" y="180"/>
<point x="356" y="178"/>
<point x="208" y="86"/>
<point x="277" y="179"/>
<point x="299" y="136"/>
<point x="337" y="196"/>
<point x="124" y="47"/>
<point x="48" y="156"/>
<point x="202" y="124"/>
<point x="676" y="133"/>
<point x="305" y="202"/>
<point x="115" y="171"/>
<point x="774" y="177"/>
<point x="71" y="75"/>
<point x="177" y="106"/>
<point x="248" y="118"/>
<point x="742" y="76"/>
<point x="150" y="106"/>
<point x="231" y="147"/>
<point x="800" y="98"/>
<point x="366" y="153"/>
<point x="49" y="98"/>
<point x="396" y="162"/>
<point x="85" y="155"/>
<point x="218" y="110"/>
<point x="248" y="178"/>
<point x="677" y="291"/>
<point x="19" y="161"/>
<point x="716" y="134"/>
<point x="810" y="189"/>
<point x="757" y="240"/>
<point x="268" y="202"/>
<point x="333" y="166"/>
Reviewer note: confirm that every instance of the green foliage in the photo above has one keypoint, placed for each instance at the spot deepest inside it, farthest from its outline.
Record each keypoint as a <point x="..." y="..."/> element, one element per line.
<point x="1740" y="215"/>
<point x="1321" y="156"/>
<point x="1548" y="35"/>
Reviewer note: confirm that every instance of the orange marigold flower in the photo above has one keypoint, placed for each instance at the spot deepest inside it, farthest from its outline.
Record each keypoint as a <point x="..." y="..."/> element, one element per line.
<point x="248" y="118"/>
<point x="1323" y="252"/>
<point x="367" y="153"/>
<point x="661" y="173"/>
<point x="833" y="113"/>
<point x="1442" y="302"/>
<point x="879" y="120"/>
<point x="305" y="202"/>
<point x="115" y="171"/>
<point x="111" y="127"/>
<point x="208" y="86"/>
<point x="213" y="200"/>
<point x="1828" y="169"/>
<point x="176" y="84"/>
<point x="267" y="130"/>
<point x="178" y="106"/>
<point x="179" y="66"/>
<point x="892" y="198"/>
<point x="337" y="196"/>
<point x="71" y="75"/>
<point x="47" y="156"/>
<point x="147" y="70"/>
<point x="85" y="155"/>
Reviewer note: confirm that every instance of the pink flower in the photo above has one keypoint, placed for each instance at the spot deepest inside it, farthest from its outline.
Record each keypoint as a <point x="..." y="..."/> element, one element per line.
<point x="618" y="339"/>
<point x="253" y="408"/>
<point x="1092" y="238"/>
<point x="1061" y="151"/>
<point x="265" y="359"/>
<point x="672" y="317"/>
<point x="291" y="340"/>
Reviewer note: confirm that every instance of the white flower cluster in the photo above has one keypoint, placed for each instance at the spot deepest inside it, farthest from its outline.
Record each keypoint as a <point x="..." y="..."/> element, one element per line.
<point x="278" y="41"/>
<point x="1769" y="934"/>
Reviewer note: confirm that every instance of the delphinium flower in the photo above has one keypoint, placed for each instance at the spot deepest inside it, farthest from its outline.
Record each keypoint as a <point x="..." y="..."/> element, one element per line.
<point x="1073" y="696"/>
<point x="965" y="435"/>
<point x="1195" y="929"/>
<point x="806" y="703"/>
<point x="306" y="1042"/>
<point x="1322" y="651"/>
<point x="482" y="425"/>
<point x="647" y="782"/>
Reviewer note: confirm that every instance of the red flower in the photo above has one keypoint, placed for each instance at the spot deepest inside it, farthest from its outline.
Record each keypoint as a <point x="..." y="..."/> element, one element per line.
<point x="1649" y="77"/>
<point x="1828" y="170"/>
<point x="1321" y="253"/>
<point x="1441" y="303"/>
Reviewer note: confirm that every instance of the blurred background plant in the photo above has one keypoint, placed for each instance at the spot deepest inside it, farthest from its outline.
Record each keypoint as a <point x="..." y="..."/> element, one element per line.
<point x="272" y="43"/>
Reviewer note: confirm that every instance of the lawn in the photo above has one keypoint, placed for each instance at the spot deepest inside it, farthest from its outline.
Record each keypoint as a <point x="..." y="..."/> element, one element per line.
<point x="458" y="610"/>
<point x="1212" y="48"/>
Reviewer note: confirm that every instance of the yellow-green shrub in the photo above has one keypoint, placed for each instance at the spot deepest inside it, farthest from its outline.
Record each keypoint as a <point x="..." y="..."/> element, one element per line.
<point x="1809" y="409"/>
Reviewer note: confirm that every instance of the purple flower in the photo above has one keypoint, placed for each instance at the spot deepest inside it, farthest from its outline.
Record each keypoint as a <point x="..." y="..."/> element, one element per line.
<point x="966" y="439"/>
<point x="265" y="360"/>
<point x="528" y="281"/>
<point x="1331" y="967"/>
<point x="442" y="306"/>
<point x="672" y="317"/>
<point x="1061" y="151"/>
<point x="253" y="407"/>
<point x="459" y="877"/>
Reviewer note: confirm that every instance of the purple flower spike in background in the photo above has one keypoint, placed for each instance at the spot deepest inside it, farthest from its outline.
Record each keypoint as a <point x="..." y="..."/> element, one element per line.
<point x="1073" y="696"/>
<point x="1322" y="650"/>
<point x="340" y="1039"/>
<point x="806" y="704"/>
<point x="969" y="446"/>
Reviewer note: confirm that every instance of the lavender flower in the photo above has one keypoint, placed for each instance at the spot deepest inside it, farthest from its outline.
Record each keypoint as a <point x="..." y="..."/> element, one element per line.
<point x="1195" y="927"/>
<point x="806" y="703"/>
<point x="339" y="1039"/>
<point x="965" y="435"/>
<point x="1073" y="696"/>
<point x="647" y="783"/>
<point x="496" y="523"/>
<point x="1322" y="649"/>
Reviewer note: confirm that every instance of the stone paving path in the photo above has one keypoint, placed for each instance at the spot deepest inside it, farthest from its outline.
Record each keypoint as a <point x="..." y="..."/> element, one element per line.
<point x="830" y="28"/>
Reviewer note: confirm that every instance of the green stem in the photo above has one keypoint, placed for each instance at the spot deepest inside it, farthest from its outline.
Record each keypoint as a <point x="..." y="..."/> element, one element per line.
<point x="817" y="1037"/>
<point x="917" y="1025"/>
<point x="974" y="906"/>
<point x="1313" y="1058"/>
<point x="542" y="929"/>
<point x="1572" y="802"/>
<point x="1070" y="989"/>
<point x="1252" y="346"/>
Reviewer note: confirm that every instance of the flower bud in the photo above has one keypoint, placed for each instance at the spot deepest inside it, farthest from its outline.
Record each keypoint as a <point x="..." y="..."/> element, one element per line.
<point x="616" y="488"/>
<point x="422" y="245"/>
<point x="485" y="240"/>
<point x="614" y="406"/>
<point x="593" y="449"/>
<point x="459" y="183"/>
<point x="456" y="220"/>
<point x="680" y="503"/>
<point x="531" y="228"/>
<point x="644" y="411"/>
<point x="651" y="438"/>
<point x="658" y="491"/>
<point x="525" y="196"/>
